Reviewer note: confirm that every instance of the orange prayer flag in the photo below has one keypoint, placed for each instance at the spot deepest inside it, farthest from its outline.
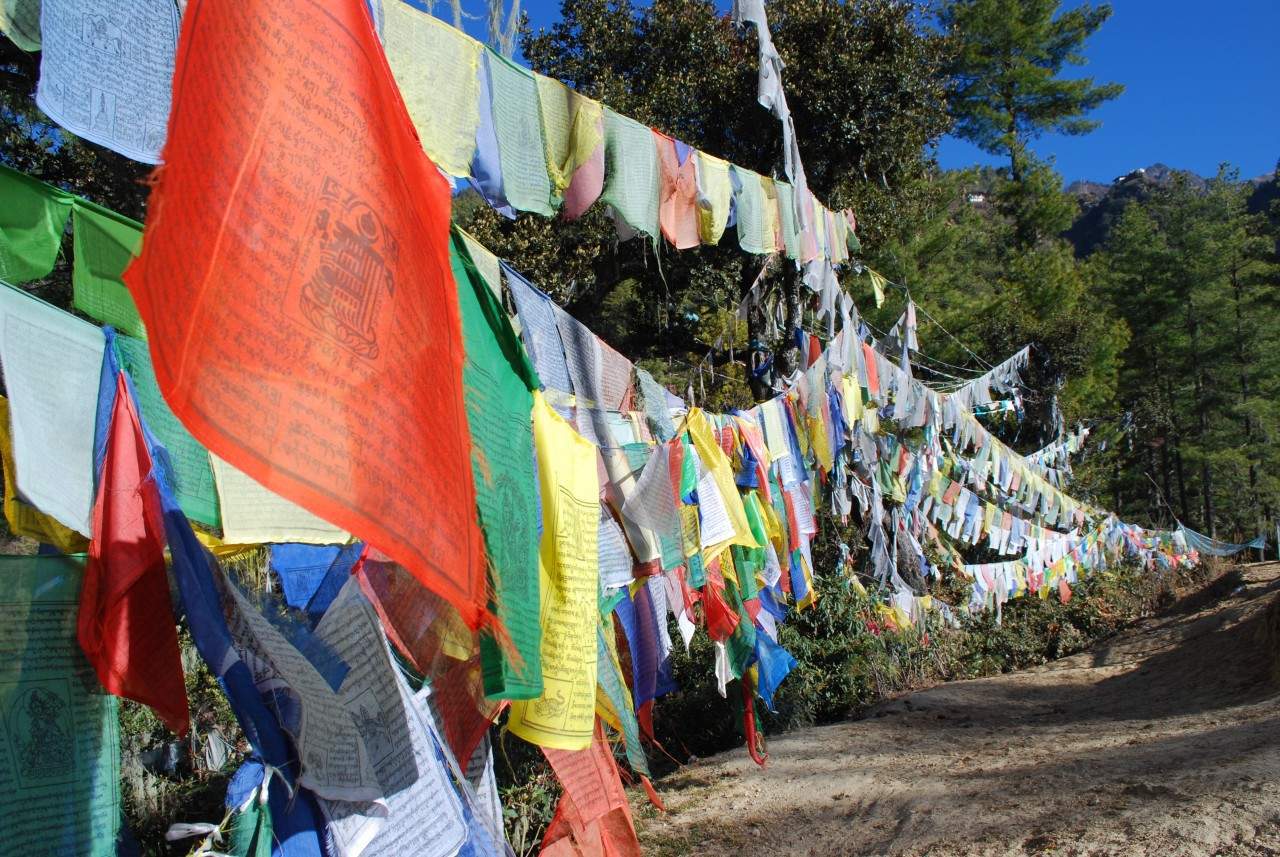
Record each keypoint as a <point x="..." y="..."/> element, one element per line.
<point x="296" y="287"/>
<point x="677" y="194"/>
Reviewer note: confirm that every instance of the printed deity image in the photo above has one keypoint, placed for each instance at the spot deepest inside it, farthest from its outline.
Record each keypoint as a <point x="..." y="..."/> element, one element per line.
<point x="105" y="71"/>
<point x="517" y="530"/>
<point x="350" y="256"/>
<point x="41" y="731"/>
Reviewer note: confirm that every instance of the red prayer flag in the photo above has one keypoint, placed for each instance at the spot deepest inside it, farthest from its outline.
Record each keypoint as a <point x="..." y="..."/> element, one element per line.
<point x="126" y="624"/>
<point x="593" y="816"/>
<point x="296" y="287"/>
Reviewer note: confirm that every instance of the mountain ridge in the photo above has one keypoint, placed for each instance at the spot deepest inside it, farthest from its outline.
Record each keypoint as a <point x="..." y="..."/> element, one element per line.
<point x="1101" y="204"/>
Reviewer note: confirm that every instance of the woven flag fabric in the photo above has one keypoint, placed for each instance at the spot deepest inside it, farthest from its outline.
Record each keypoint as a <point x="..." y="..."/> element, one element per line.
<point x="436" y="67"/>
<point x="31" y="223"/>
<point x="126" y="626"/>
<point x="631" y="173"/>
<point x="104" y="244"/>
<point x="296" y="289"/>
<point x="518" y="126"/>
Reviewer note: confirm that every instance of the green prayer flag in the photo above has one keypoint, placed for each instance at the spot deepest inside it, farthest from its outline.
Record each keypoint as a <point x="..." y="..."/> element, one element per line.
<point x="59" y="733"/>
<point x="105" y="243"/>
<point x="251" y="831"/>
<point x="20" y="21"/>
<point x="749" y="561"/>
<point x="688" y="470"/>
<point x="741" y="644"/>
<point x="637" y="455"/>
<point x="749" y="199"/>
<point x="611" y="682"/>
<point x="518" y="127"/>
<point x="497" y="378"/>
<point x="189" y="466"/>
<point x="787" y="219"/>
<point x="32" y="219"/>
<point x="631" y="172"/>
<point x="779" y="506"/>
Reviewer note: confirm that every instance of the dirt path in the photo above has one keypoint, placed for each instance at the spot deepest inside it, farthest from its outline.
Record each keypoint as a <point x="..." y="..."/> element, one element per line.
<point x="1164" y="740"/>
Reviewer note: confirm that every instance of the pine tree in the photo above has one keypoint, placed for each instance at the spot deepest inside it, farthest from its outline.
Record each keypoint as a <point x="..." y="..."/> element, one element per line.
<point x="1006" y="88"/>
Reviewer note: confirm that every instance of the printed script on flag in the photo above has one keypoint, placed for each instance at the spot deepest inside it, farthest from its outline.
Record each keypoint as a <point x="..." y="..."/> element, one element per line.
<point x="295" y="283"/>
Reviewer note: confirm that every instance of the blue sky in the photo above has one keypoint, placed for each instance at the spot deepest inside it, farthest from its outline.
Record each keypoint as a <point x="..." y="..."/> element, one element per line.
<point x="1202" y="86"/>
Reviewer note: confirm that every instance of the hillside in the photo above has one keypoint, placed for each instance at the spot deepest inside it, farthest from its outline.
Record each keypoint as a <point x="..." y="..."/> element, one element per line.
<point x="1101" y="203"/>
<point x="1163" y="740"/>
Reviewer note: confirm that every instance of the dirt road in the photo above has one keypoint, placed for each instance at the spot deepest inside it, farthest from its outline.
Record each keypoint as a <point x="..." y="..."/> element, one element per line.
<point x="1164" y="740"/>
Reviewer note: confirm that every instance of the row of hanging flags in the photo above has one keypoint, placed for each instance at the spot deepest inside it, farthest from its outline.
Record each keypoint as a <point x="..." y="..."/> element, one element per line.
<point x="525" y="141"/>
<point x="300" y="352"/>
<point x="600" y="497"/>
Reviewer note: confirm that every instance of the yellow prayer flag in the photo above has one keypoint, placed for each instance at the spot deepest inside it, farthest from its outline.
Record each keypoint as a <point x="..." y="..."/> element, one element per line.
<point x="564" y="715"/>
<point x="820" y="442"/>
<point x="436" y="68"/>
<point x="714" y="193"/>
<point x="819" y="228"/>
<point x="877" y="285"/>
<point x="714" y="459"/>
<point x="811" y="597"/>
<point x="690" y="539"/>
<point x="852" y="399"/>
<point x="572" y="129"/>
<point x="769" y="217"/>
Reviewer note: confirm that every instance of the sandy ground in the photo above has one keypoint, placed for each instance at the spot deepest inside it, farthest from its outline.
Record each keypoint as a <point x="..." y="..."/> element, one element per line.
<point x="1164" y="740"/>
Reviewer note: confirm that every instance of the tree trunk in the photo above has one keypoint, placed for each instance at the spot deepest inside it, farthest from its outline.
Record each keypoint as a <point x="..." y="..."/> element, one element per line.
<point x="1153" y="499"/>
<point x="1164" y="476"/>
<point x="1243" y="364"/>
<point x="1182" y="485"/>
<point x="756" y="349"/>
<point x="787" y="355"/>
<point x="1176" y="439"/>
<point x="1206" y="476"/>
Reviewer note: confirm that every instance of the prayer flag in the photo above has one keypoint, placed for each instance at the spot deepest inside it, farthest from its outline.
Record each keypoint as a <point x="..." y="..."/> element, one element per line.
<point x="715" y="197"/>
<point x="60" y="733"/>
<point x="126" y="626"/>
<point x="749" y="203"/>
<point x="497" y="379"/>
<point x="437" y="69"/>
<point x="593" y="816"/>
<point x="23" y="518"/>
<point x="561" y="717"/>
<point x="20" y="21"/>
<point x="31" y="223"/>
<point x="632" y="175"/>
<point x="573" y="134"/>
<point x="296" y="289"/>
<point x="105" y="71"/>
<point x="188" y="462"/>
<point x="52" y="364"/>
<point x="678" y="201"/>
<point x="104" y="244"/>
<point x="518" y="127"/>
